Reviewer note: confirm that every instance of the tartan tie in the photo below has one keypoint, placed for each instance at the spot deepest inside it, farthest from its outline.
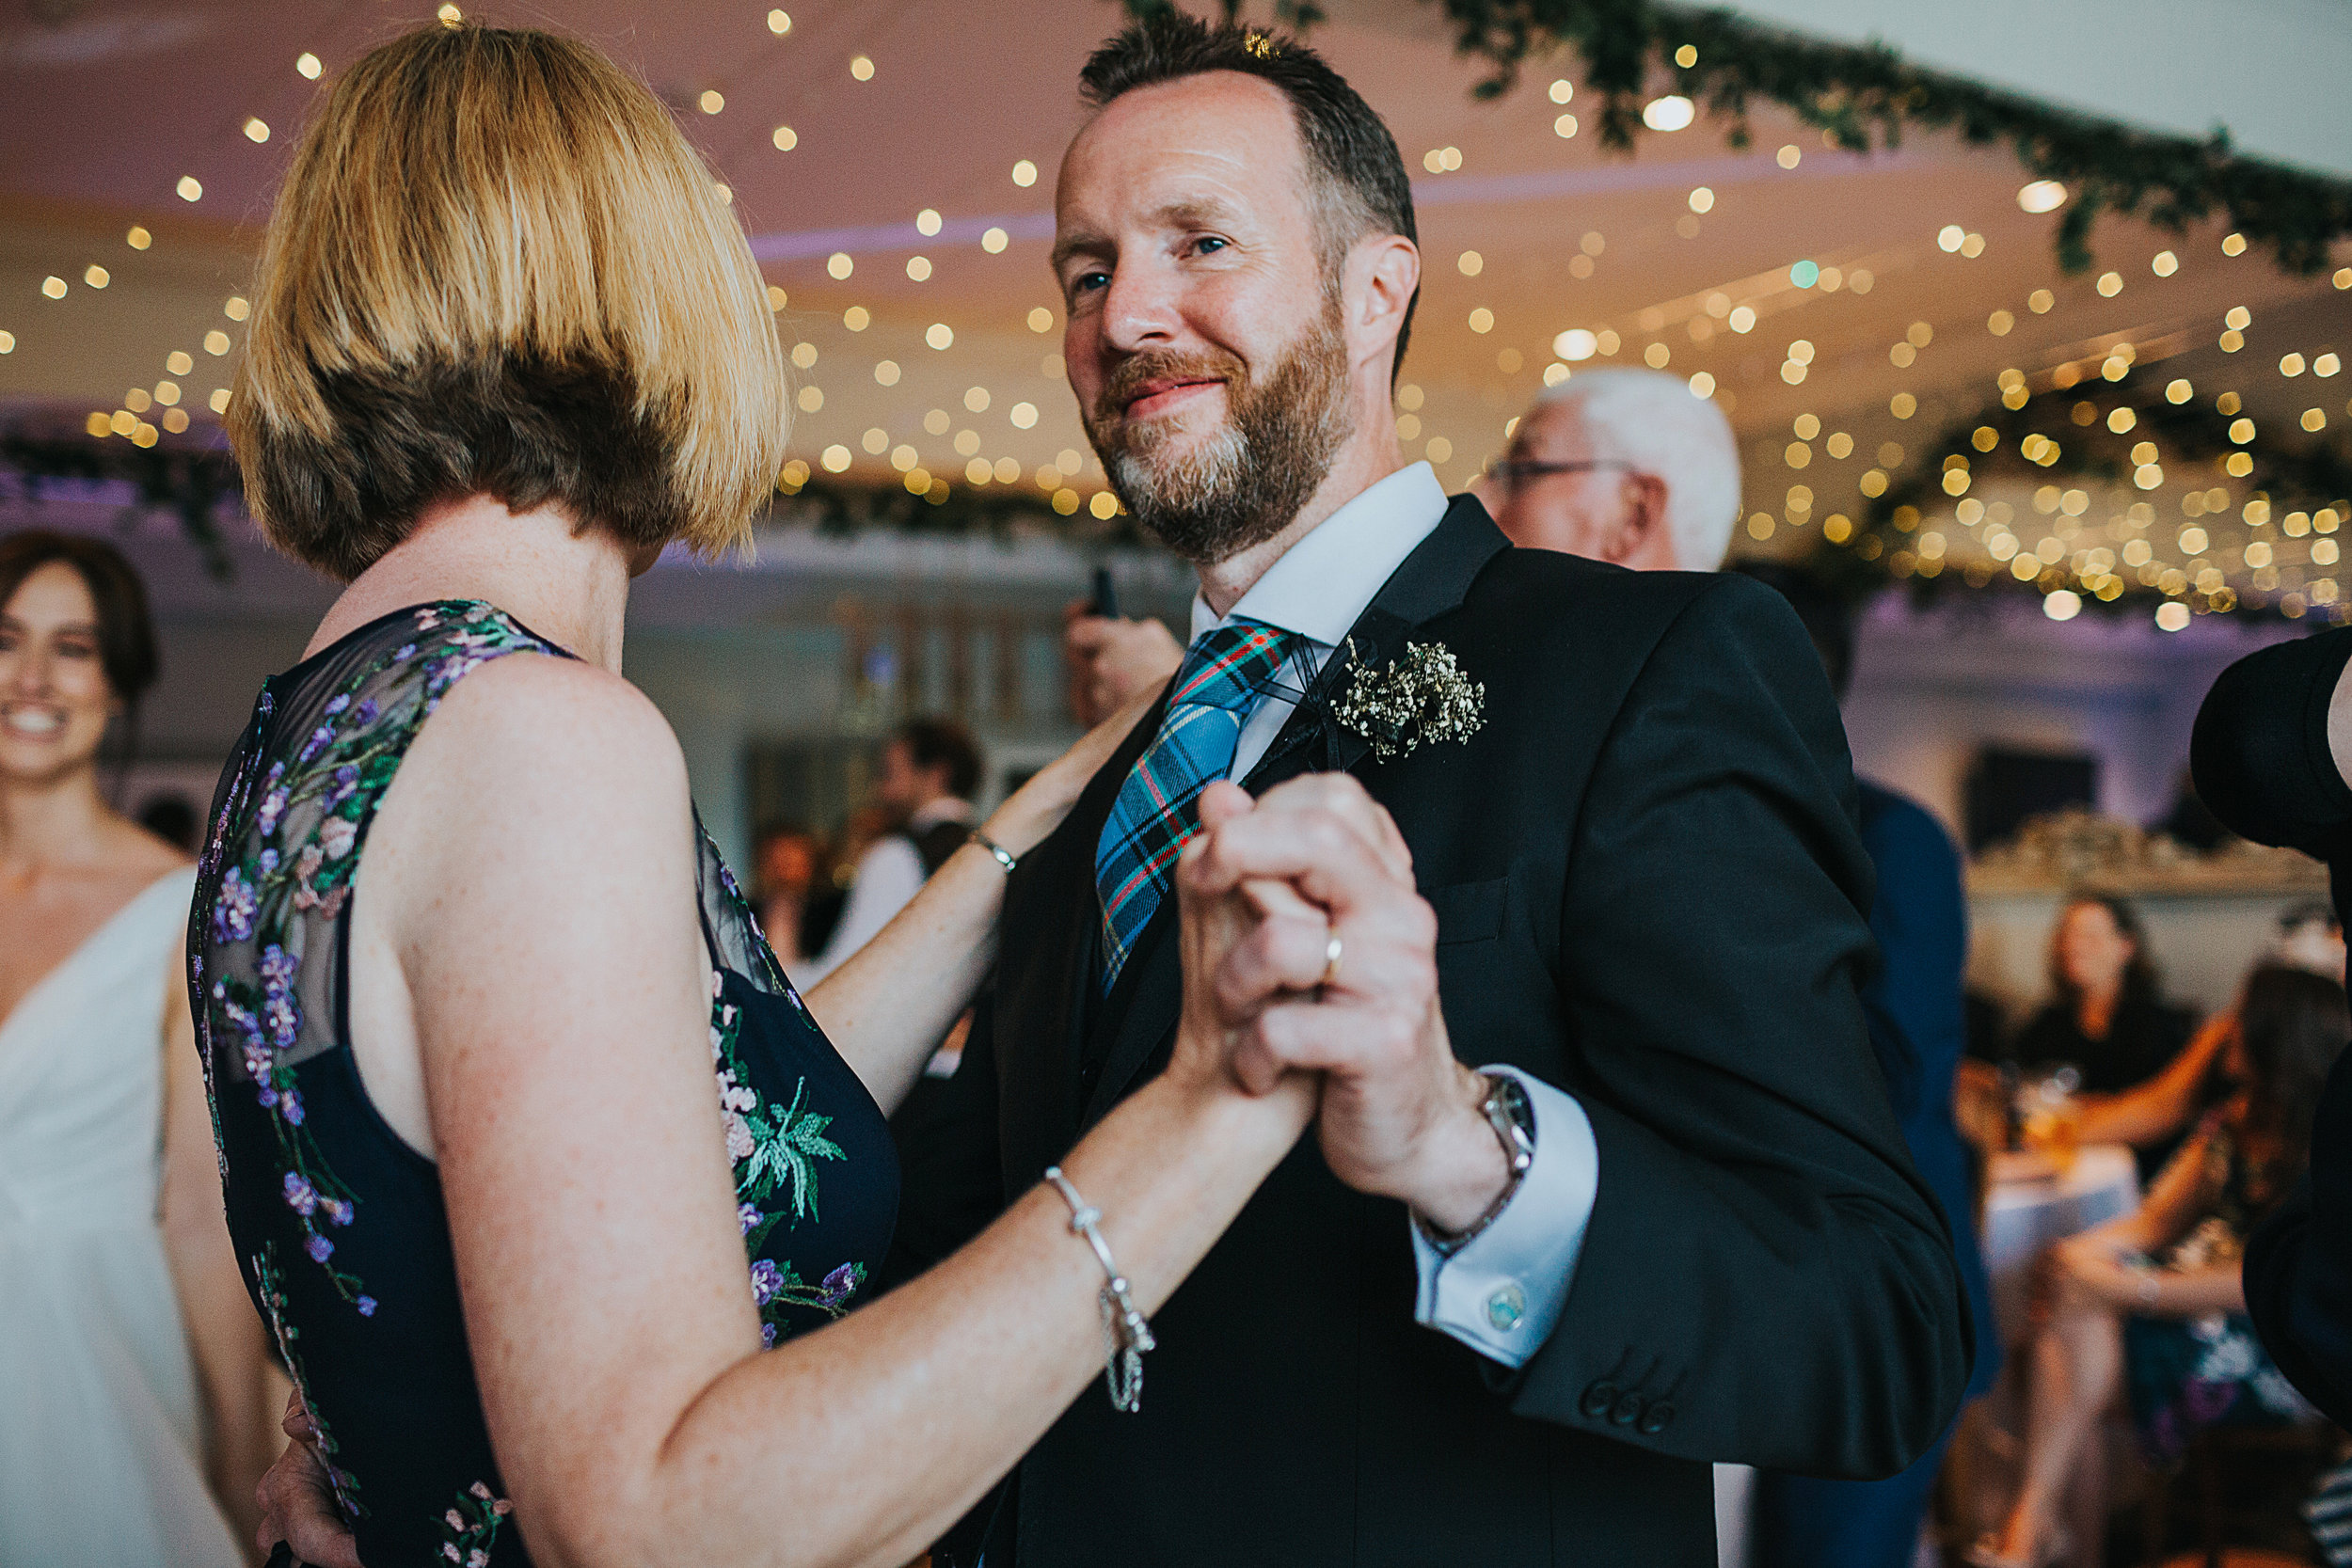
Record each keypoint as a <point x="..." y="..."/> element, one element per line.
<point x="1157" y="811"/>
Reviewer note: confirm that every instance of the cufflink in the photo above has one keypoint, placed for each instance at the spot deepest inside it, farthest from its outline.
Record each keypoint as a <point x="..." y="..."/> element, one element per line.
<point x="1505" y="1307"/>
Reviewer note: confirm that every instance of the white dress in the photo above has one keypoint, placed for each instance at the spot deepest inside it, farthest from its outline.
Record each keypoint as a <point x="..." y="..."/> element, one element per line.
<point x="98" y="1449"/>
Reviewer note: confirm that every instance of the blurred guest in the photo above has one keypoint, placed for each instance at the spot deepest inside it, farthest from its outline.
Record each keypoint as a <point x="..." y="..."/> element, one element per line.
<point x="2273" y="758"/>
<point x="930" y="769"/>
<point x="2154" y="1296"/>
<point x="2311" y="936"/>
<point x="2107" y="1018"/>
<point x="1917" y="1024"/>
<point x="135" y="1415"/>
<point x="1624" y="466"/>
<point x="1112" y="660"/>
<point x="786" y="858"/>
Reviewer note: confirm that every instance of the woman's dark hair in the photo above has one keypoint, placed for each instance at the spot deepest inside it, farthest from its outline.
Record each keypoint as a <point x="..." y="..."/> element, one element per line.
<point x="2293" y="1024"/>
<point x="944" y="744"/>
<point x="126" y="635"/>
<point x="2140" y="981"/>
<point x="1360" y="182"/>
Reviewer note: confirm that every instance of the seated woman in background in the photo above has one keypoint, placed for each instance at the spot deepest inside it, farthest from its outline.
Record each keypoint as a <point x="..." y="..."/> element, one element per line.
<point x="2156" y="1293"/>
<point x="114" y="1265"/>
<point x="2106" y="1016"/>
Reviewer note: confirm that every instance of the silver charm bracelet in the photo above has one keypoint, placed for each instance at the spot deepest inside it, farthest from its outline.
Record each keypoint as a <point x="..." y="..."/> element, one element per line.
<point x="1125" y="1333"/>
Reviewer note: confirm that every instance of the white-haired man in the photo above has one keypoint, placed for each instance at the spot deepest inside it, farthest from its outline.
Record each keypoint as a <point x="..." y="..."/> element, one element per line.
<point x="1623" y="466"/>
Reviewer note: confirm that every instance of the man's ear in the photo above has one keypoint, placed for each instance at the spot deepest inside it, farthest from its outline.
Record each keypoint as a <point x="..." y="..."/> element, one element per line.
<point x="1640" y="538"/>
<point x="1382" y="274"/>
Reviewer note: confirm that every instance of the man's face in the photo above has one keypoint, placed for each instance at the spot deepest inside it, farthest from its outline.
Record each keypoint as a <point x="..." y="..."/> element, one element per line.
<point x="1206" y="352"/>
<point x="1583" y="512"/>
<point x="901" y="788"/>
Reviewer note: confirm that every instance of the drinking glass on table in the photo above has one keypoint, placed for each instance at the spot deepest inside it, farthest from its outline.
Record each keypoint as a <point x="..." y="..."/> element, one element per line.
<point x="2049" y="1121"/>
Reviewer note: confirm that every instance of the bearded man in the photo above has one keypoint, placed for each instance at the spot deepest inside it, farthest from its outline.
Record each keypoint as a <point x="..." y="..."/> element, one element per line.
<point x="1502" y="1314"/>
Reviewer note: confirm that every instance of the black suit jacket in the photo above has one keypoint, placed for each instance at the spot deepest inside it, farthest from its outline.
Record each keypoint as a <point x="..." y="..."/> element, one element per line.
<point x="1649" y="891"/>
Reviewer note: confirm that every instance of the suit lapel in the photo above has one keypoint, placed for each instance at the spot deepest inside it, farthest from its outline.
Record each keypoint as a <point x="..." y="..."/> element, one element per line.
<point x="1433" y="581"/>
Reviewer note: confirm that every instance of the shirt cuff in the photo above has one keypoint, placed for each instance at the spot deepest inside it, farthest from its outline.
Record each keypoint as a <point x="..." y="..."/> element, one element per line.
<point x="1502" y="1293"/>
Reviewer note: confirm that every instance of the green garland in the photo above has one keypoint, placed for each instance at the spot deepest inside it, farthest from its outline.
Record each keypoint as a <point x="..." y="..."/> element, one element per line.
<point x="191" y="481"/>
<point x="2303" y="477"/>
<point x="1865" y="95"/>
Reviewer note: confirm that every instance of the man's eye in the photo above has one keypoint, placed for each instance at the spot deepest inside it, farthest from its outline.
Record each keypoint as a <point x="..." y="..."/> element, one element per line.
<point x="1208" y="245"/>
<point x="1088" y="282"/>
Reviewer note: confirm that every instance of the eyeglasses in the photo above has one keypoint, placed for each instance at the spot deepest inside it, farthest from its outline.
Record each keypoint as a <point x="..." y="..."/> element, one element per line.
<point x="1516" y="471"/>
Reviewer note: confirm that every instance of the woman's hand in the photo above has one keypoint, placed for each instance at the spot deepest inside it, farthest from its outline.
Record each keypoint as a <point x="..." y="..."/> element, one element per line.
<point x="1035" y="809"/>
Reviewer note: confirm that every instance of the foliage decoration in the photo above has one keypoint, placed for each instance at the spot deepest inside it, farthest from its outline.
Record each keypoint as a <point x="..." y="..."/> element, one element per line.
<point x="2210" y="473"/>
<point x="1865" y="95"/>
<point x="188" y="480"/>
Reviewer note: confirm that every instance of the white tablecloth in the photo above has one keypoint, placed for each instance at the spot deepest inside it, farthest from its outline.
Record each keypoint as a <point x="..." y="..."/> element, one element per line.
<point x="2025" y="1214"/>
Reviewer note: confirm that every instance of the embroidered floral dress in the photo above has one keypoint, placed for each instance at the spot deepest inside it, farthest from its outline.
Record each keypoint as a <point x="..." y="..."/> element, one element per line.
<point x="337" y="1223"/>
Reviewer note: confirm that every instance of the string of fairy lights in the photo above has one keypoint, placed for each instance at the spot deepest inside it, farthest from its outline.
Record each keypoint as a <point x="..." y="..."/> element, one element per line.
<point x="1012" y="426"/>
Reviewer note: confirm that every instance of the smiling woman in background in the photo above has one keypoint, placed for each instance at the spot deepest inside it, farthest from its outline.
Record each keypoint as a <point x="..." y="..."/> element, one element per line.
<point x="112" y="1267"/>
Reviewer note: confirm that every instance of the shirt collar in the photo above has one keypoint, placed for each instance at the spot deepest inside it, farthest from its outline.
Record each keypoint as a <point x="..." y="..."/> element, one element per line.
<point x="1321" y="585"/>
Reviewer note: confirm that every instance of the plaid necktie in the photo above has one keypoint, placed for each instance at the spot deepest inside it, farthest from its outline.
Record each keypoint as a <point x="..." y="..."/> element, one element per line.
<point x="1157" y="811"/>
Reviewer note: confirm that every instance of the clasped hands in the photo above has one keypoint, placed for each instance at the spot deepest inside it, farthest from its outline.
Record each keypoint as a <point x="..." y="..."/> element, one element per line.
<point x="1310" y="965"/>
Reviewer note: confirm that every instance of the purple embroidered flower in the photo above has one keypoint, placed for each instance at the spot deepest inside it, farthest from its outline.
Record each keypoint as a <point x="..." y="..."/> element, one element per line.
<point x="337" y="1210"/>
<point x="319" y="737"/>
<point x="838" y="1284"/>
<point x="276" y="965"/>
<point x="273" y="807"/>
<point x="365" y="713"/>
<point x="290" y="1106"/>
<point x="407" y="650"/>
<point x="366" y="1306"/>
<point x="300" y="1195"/>
<point x="337" y="703"/>
<point x="232" y="909"/>
<point x="320" y="1248"/>
<point x="767" y="1336"/>
<point x="268" y="1095"/>
<point x="284" y="1021"/>
<point x="748" y="1217"/>
<point x="269" y="862"/>
<point x="767" y="1280"/>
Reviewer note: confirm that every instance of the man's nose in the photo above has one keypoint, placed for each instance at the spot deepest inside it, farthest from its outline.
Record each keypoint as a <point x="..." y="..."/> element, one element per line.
<point x="1141" y="311"/>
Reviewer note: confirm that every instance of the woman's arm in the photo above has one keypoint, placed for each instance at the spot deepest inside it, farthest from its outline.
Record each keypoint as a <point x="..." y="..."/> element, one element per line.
<point x="885" y="1028"/>
<point x="225" y="1335"/>
<point x="592" y="1210"/>
<point x="2160" y="1107"/>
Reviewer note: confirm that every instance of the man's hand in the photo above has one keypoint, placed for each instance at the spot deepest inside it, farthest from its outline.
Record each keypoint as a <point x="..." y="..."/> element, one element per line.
<point x="1400" y="1114"/>
<point x="1112" y="662"/>
<point x="299" y="1505"/>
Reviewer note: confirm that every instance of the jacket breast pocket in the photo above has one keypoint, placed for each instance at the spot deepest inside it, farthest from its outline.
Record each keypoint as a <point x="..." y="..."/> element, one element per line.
<point x="1469" y="911"/>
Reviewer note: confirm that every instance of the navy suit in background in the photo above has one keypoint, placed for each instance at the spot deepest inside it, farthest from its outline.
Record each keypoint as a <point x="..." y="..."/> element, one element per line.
<point x="1917" y="1028"/>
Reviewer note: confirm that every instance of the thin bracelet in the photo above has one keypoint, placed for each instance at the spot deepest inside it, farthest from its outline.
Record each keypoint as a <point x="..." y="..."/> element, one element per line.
<point x="1125" y="1333"/>
<point x="1005" y="857"/>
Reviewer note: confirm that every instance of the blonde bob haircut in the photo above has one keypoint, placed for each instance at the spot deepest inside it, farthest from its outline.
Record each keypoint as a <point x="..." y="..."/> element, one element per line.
<point x="496" y="268"/>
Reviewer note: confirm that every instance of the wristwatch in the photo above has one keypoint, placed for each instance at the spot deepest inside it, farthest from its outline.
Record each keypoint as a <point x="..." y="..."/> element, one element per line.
<point x="1512" y="1115"/>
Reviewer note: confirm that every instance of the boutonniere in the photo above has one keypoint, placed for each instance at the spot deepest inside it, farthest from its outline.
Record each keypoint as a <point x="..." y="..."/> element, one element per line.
<point x="1421" y="696"/>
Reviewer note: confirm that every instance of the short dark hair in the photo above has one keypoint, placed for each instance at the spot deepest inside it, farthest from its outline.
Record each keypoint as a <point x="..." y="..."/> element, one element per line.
<point x="1361" y="186"/>
<point x="942" y="743"/>
<point x="126" y="636"/>
<point x="2293" y="1024"/>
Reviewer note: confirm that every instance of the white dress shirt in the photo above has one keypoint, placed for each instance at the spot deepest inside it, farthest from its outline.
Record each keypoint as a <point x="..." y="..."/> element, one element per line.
<point x="889" y="874"/>
<point x="1502" y="1293"/>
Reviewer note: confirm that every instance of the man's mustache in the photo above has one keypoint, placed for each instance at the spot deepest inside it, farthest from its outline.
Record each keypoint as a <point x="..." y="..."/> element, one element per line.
<point x="1133" y="375"/>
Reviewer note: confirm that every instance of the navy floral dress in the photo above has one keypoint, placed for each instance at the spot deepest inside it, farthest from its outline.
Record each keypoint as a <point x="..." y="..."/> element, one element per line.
<point x="339" y="1223"/>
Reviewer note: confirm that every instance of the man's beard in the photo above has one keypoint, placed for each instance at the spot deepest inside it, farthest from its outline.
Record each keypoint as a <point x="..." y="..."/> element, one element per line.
<point x="1245" y="483"/>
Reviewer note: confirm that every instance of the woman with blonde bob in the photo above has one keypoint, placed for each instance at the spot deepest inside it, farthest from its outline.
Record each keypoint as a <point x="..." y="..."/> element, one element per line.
<point x="467" y="970"/>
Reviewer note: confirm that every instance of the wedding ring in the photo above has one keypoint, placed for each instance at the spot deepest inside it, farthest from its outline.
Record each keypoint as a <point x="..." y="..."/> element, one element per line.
<point x="1333" y="951"/>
